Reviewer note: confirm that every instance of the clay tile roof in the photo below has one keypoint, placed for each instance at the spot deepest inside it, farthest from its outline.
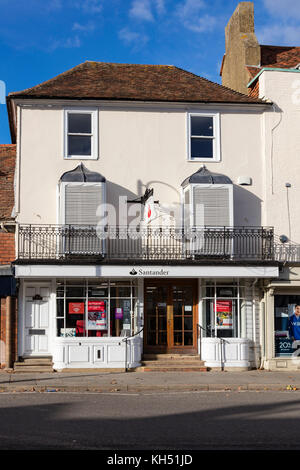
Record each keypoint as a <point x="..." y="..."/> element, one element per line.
<point x="280" y="56"/>
<point x="100" y="80"/>
<point x="253" y="71"/>
<point x="7" y="173"/>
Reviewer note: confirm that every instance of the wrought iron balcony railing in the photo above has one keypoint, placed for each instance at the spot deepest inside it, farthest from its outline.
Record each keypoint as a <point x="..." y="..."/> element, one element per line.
<point x="161" y="244"/>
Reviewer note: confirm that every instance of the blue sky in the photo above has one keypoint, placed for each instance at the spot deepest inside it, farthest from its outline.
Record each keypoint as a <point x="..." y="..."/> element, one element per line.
<point x="42" y="38"/>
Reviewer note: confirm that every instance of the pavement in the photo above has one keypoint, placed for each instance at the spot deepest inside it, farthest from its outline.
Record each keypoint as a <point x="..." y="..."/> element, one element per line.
<point x="139" y="382"/>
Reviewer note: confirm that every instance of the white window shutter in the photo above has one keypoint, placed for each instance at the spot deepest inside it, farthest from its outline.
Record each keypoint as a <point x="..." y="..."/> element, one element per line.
<point x="213" y="205"/>
<point x="83" y="202"/>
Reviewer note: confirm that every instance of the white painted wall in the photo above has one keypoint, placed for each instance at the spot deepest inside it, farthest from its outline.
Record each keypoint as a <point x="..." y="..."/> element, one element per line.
<point x="281" y="150"/>
<point x="139" y="147"/>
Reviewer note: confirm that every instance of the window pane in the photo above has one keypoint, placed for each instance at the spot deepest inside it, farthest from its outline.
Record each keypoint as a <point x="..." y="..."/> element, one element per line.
<point x="79" y="145"/>
<point x="120" y="315"/>
<point x="75" y="317"/>
<point x="120" y="291"/>
<point x="75" y="291"/>
<point x="225" y="291"/>
<point x="97" y="318"/>
<point x="60" y="289"/>
<point x="97" y="291"/>
<point x="202" y="125"/>
<point x="201" y="148"/>
<point x="80" y="123"/>
<point x="287" y="325"/>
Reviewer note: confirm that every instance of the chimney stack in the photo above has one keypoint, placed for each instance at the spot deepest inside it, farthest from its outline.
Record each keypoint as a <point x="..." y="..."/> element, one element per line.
<point x="241" y="48"/>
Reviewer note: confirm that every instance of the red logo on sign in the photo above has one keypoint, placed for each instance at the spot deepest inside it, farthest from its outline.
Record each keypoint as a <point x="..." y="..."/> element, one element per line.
<point x="76" y="307"/>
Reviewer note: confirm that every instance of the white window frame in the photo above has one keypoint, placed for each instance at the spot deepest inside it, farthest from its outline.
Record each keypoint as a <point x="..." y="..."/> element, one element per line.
<point x="215" y="138"/>
<point x="94" y="134"/>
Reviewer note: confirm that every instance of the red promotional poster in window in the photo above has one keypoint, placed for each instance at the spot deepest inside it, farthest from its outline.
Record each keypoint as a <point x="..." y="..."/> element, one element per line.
<point x="97" y="315"/>
<point x="96" y="306"/>
<point x="224" y="314"/>
<point x="76" y="308"/>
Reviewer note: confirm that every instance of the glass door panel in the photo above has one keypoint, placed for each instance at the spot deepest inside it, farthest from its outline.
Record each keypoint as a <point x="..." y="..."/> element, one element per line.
<point x="156" y="307"/>
<point x="170" y="316"/>
<point x="182" y="315"/>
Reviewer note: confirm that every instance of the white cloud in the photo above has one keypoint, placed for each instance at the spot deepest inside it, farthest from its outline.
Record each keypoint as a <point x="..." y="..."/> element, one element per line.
<point x="141" y="9"/>
<point x="84" y="28"/>
<point x="190" y="8"/>
<point x="283" y="9"/>
<point x="190" y="13"/>
<point x="54" y="5"/>
<point x="160" y="6"/>
<point x="199" y="25"/>
<point x="279" y="34"/>
<point x="132" y="38"/>
<point x="89" y="6"/>
<point x="67" y="43"/>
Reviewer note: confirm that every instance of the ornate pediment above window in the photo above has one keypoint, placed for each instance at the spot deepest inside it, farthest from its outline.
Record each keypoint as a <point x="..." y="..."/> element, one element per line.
<point x="82" y="174"/>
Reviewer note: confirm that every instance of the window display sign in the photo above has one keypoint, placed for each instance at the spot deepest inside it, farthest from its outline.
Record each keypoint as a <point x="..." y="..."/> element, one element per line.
<point x="96" y="305"/>
<point x="97" y="315"/>
<point x="287" y="325"/>
<point x="76" y="308"/>
<point x="126" y="315"/>
<point x="119" y="313"/>
<point x="68" y="332"/>
<point x="224" y="314"/>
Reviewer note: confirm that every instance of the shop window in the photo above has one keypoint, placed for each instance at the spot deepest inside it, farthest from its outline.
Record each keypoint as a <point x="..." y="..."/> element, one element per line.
<point x="223" y="309"/>
<point x="92" y="309"/>
<point x="287" y="325"/>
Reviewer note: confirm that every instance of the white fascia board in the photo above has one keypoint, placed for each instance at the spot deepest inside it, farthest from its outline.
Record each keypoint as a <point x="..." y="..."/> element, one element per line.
<point x="146" y="105"/>
<point x="92" y="271"/>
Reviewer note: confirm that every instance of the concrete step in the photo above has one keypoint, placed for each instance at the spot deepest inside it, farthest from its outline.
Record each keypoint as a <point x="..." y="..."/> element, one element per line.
<point x="35" y="360"/>
<point x="171" y="357"/>
<point x="24" y="370"/>
<point x="173" y="368"/>
<point x="173" y="364"/>
<point x="34" y="364"/>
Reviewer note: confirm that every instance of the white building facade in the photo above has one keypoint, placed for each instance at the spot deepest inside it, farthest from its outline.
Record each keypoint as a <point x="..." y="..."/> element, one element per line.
<point x="281" y="144"/>
<point x="110" y="270"/>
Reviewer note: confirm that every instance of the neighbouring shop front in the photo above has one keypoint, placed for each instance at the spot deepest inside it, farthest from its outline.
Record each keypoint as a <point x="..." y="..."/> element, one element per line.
<point x="98" y="320"/>
<point x="287" y="325"/>
<point x="281" y="345"/>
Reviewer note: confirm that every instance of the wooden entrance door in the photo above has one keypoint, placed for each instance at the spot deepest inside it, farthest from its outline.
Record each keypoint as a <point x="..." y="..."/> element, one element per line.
<point x="170" y="316"/>
<point x="36" y="321"/>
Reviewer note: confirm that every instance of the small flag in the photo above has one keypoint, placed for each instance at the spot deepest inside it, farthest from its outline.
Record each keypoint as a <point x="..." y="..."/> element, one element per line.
<point x="149" y="209"/>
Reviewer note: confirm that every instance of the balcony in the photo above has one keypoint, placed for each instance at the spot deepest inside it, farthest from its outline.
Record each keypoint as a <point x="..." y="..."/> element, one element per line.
<point x="71" y="244"/>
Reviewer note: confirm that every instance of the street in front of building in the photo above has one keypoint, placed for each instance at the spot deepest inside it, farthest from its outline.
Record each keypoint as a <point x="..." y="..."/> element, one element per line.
<point x="173" y="421"/>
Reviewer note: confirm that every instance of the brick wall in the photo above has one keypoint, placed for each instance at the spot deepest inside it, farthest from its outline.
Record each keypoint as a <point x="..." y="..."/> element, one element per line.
<point x="7" y="247"/>
<point x="2" y="332"/>
<point x="7" y="174"/>
<point x="13" y="333"/>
